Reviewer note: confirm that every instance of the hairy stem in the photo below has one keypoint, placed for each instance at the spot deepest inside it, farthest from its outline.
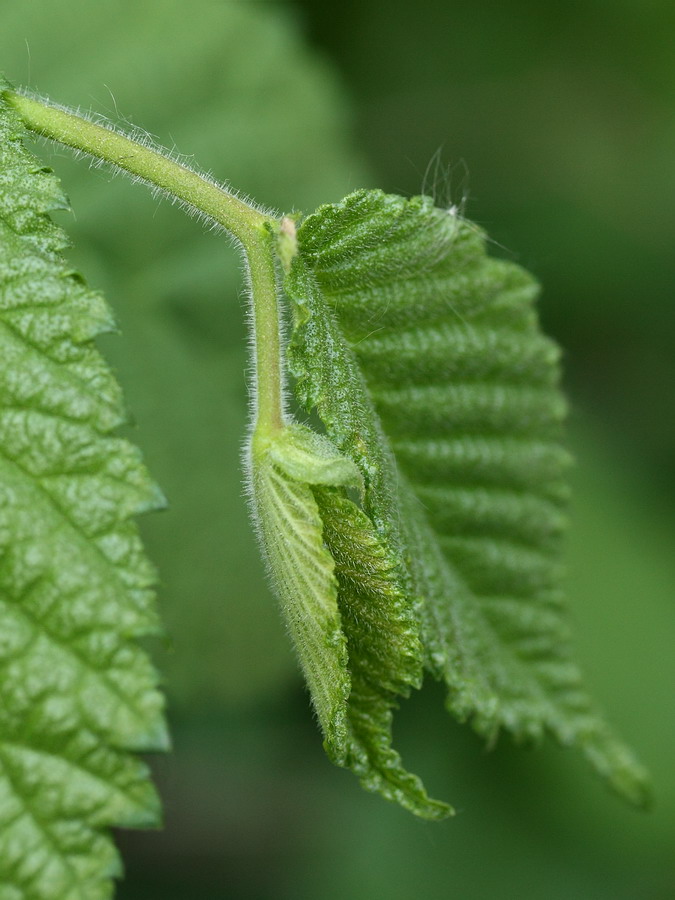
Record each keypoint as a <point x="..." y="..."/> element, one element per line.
<point x="245" y="222"/>
<point x="269" y="376"/>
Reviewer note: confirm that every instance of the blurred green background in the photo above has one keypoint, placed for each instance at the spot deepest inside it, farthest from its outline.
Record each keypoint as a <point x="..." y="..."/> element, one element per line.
<point x="553" y="125"/>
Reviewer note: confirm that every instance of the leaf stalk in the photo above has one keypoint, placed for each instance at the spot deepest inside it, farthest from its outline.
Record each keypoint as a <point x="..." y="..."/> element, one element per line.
<point x="248" y="224"/>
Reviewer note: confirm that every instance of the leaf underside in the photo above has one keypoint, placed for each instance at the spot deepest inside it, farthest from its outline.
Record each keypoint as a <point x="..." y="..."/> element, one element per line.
<point x="425" y="363"/>
<point x="77" y="691"/>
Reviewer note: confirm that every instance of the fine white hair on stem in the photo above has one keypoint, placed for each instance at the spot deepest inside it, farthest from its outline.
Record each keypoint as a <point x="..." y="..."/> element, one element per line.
<point x="251" y="228"/>
<point x="150" y="142"/>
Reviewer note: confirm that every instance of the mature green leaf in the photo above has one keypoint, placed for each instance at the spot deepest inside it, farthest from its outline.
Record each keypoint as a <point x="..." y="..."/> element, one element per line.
<point x="356" y="641"/>
<point x="423" y="358"/>
<point x="77" y="691"/>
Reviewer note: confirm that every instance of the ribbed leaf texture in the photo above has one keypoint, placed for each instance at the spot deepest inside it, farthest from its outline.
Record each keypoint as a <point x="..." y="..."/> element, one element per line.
<point x="425" y="363"/>
<point x="283" y="470"/>
<point x="356" y="640"/>
<point x="77" y="693"/>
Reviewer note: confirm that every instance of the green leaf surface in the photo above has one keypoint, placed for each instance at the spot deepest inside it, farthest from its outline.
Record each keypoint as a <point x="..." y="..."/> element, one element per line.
<point x="424" y="360"/>
<point x="77" y="691"/>
<point x="349" y="621"/>
<point x="385" y="653"/>
<point x="283" y="468"/>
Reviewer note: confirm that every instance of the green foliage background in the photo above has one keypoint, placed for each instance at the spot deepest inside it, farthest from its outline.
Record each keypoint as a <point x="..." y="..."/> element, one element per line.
<point x="563" y="118"/>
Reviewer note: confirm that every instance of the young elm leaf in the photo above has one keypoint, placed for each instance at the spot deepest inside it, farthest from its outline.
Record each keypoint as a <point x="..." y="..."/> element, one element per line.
<point x="385" y="654"/>
<point x="282" y="468"/>
<point x="424" y="360"/>
<point x="347" y="616"/>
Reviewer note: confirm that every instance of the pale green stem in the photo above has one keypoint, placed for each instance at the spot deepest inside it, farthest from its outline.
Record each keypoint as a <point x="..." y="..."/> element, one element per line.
<point x="269" y="376"/>
<point x="246" y="223"/>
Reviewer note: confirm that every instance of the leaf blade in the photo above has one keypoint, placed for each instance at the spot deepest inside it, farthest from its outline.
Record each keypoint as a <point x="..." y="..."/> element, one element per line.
<point x="384" y="652"/>
<point x="349" y="620"/>
<point x="75" y="587"/>
<point x="302" y="571"/>
<point x="453" y="394"/>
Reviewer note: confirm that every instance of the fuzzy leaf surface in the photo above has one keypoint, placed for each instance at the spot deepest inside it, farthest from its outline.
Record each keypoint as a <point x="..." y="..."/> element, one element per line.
<point x="424" y="360"/>
<point x="357" y="644"/>
<point x="77" y="691"/>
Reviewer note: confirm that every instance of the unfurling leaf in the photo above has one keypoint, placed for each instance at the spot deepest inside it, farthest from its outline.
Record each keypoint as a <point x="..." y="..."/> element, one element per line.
<point x="77" y="691"/>
<point x="355" y="637"/>
<point x="423" y="358"/>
